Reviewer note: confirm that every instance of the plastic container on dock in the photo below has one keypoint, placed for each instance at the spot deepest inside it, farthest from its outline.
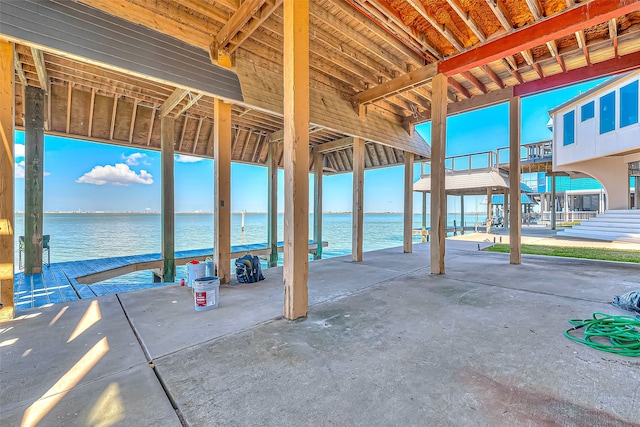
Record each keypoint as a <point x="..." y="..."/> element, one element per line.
<point x="205" y="293"/>
<point x="195" y="270"/>
<point x="209" y="268"/>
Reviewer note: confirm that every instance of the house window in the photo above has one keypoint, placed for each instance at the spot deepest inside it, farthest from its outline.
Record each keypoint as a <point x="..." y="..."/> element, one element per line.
<point x="587" y="111"/>
<point x="629" y="104"/>
<point x="608" y="112"/>
<point x="569" y="135"/>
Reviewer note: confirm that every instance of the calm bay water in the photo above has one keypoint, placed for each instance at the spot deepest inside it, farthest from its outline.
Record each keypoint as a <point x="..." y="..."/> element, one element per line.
<point x="89" y="236"/>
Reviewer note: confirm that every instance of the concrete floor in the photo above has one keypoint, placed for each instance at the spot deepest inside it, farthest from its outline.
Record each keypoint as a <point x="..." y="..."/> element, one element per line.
<point x="385" y="343"/>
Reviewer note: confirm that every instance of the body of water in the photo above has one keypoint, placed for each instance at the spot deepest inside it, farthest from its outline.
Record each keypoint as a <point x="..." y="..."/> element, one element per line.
<point x="89" y="236"/>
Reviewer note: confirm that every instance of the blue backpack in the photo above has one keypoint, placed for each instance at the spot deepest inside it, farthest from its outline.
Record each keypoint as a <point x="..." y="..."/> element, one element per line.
<point x="248" y="269"/>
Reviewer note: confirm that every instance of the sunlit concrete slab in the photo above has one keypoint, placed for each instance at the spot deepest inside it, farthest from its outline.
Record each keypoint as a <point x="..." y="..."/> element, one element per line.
<point x="466" y="348"/>
<point x="132" y="397"/>
<point x="50" y="354"/>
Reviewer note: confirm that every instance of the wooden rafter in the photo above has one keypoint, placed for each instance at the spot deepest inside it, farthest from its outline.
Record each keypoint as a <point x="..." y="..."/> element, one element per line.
<point x="245" y="21"/>
<point x="458" y="86"/>
<point x="535" y="9"/>
<point x="613" y="34"/>
<point x="583" y="15"/>
<point x="134" y="110"/>
<point x="492" y="75"/>
<point x="69" y="92"/>
<point x="496" y="8"/>
<point x="246" y="144"/>
<point x="553" y="48"/>
<point x="336" y="145"/>
<point x="528" y="57"/>
<point x="17" y="65"/>
<point x="91" y="110"/>
<point x="191" y="103"/>
<point x="468" y="20"/>
<point x="445" y="32"/>
<point x="38" y="60"/>
<point x="582" y="43"/>
<point x="173" y="100"/>
<point x="197" y="136"/>
<point x="413" y="79"/>
<point x="151" y="121"/>
<point x="474" y="81"/>
<point x="113" y="116"/>
<point x="184" y="130"/>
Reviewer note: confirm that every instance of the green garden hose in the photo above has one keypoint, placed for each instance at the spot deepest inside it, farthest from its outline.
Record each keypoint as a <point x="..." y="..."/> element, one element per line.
<point x="615" y="334"/>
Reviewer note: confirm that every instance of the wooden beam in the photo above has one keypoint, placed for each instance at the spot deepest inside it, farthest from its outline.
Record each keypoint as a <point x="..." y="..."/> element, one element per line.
<point x="613" y="34"/>
<point x="114" y="110"/>
<point x="617" y="65"/>
<point x="335" y="145"/>
<point x="222" y="189"/>
<point x="133" y="120"/>
<point x="474" y="81"/>
<point x="254" y="23"/>
<point x="197" y="136"/>
<point x="272" y="203"/>
<point x="514" y="181"/>
<point x="173" y="100"/>
<point x="189" y="104"/>
<point x="468" y="20"/>
<point x="239" y="19"/>
<point x="412" y="79"/>
<point x="444" y="31"/>
<point x="318" y="171"/>
<point x="492" y="75"/>
<point x="276" y="136"/>
<point x="553" y="48"/>
<point x="246" y="143"/>
<point x="92" y="106"/>
<point x="582" y="43"/>
<point x="357" y="216"/>
<point x="69" y="93"/>
<point x="496" y="8"/>
<point x="7" y="188"/>
<point x="41" y="69"/>
<point x="167" y="216"/>
<point x="33" y="179"/>
<point x="534" y="8"/>
<point x="583" y="15"/>
<point x="296" y="151"/>
<point x="438" y="195"/>
<point x="458" y="86"/>
<point x="151" y="121"/>
<point x="184" y="130"/>
<point x="17" y="65"/>
<point x="408" y="203"/>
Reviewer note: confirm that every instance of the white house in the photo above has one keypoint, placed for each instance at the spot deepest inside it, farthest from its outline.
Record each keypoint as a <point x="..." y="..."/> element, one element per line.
<point x="598" y="133"/>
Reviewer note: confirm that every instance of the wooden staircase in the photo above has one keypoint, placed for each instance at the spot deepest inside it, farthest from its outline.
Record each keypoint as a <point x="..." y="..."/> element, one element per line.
<point x="613" y="225"/>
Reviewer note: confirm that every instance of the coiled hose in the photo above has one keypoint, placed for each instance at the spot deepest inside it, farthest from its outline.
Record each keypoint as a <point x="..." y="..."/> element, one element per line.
<point x="614" y="334"/>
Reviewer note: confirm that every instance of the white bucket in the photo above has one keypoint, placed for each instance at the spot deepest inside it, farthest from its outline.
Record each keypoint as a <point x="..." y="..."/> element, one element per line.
<point x="209" y="270"/>
<point x="205" y="293"/>
<point x="195" y="271"/>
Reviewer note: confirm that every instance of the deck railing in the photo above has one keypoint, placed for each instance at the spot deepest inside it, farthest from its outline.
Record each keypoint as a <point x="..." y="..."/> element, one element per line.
<point x="570" y="216"/>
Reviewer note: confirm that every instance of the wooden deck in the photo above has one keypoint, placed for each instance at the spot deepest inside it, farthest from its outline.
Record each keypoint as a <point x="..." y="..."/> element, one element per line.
<point x="72" y="280"/>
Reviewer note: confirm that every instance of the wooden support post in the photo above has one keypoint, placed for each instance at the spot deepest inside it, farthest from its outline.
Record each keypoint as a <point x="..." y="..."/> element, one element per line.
<point x="357" y="232"/>
<point x="636" y="198"/>
<point x="505" y="209"/>
<point x="408" y="202"/>
<point x="272" y="203"/>
<point x="167" y="141"/>
<point x="489" y="209"/>
<point x="462" y="214"/>
<point x="438" y="194"/>
<point x="33" y="179"/>
<point x="514" y="181"/>
<point x="296" y="157"/>
<point x="553" y="202"/>
<point x="424" y="216"/>
<point x="222" y="189"/>
<point x="6" y="180"/>
<point x="318" y="163"/>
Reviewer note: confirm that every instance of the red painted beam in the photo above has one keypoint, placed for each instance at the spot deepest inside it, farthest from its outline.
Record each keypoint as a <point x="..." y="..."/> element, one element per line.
<point x="582" y="16"/>
<point x="618" y="65"/>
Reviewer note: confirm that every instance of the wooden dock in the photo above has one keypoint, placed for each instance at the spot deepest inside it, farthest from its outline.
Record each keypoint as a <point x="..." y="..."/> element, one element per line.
<point x="73" y="280"/>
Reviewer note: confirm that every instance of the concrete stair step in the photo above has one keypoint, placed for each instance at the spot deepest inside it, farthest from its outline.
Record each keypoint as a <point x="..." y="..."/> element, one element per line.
<point x="626" y="228"/>
<point x="600" y="235"/>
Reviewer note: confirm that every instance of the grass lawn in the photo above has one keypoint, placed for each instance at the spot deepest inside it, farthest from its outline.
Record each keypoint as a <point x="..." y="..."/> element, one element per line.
<point x="573" y="252"/>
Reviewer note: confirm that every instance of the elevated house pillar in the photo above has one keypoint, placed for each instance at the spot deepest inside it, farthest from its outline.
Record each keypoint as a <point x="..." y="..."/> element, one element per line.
<point x="272" y="203"/>
<point x="552" y="208"/>
<point x="167" y="140"/>
<point x="357" y="234"/>
<point x="514" y="181"/>
<point x="33" y="179"/>
<point x="296" y="158"/>
<point x="438" y="195"/>
<point x="408" y="202"/>
<point x="222" y="189"/>
<point x="7" y="161"/>
<point x="318" y="163"/>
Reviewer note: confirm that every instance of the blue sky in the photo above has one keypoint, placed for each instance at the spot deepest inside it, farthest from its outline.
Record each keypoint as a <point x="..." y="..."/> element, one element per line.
<point x="88" y="176"/>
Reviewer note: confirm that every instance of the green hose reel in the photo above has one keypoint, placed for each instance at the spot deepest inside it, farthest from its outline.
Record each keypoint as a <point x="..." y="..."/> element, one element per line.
<point x="614" y="334"/>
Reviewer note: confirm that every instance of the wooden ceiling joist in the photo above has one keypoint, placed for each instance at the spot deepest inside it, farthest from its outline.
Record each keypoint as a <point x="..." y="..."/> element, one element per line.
<point x="445" y="32"/>
<point x="338" y="144"/>
<point x="581" y="16"/>
<point x="38" y="60"/>
<point x="172" y="101"/>
<point x="412" y="79"/>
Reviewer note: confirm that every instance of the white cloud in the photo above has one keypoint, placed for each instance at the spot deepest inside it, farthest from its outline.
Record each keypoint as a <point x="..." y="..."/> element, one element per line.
<point x="18" y="151"/>
<point x="181" y="158"/>
<point x="135" y="159"/>
<point x="20" y="169"/>
<point x="118" y="174"/>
